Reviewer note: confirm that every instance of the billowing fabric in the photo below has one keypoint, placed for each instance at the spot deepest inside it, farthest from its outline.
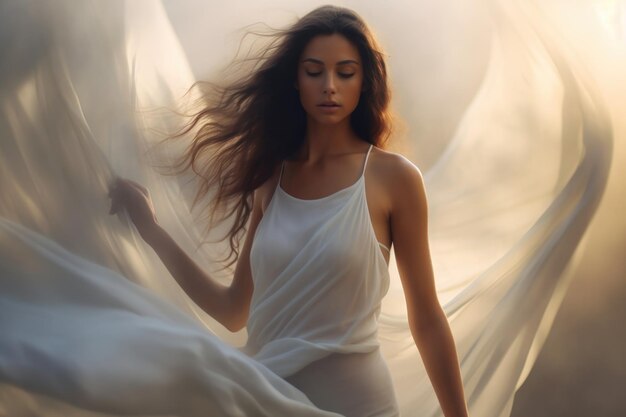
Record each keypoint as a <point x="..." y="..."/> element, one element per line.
<point x="319" y="278"/>
<point x="91" y="339"/>
<point x="92" y="324"/>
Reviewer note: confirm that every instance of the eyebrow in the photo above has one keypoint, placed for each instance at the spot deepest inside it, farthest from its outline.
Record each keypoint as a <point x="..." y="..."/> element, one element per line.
<point x="344" y="62"/>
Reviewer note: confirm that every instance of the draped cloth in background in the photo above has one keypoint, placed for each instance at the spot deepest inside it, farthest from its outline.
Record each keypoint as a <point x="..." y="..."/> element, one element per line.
<point x="92" y="324"/>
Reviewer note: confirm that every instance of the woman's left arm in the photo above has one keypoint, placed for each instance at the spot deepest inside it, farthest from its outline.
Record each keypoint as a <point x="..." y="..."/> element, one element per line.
<point x="427" y="320"/>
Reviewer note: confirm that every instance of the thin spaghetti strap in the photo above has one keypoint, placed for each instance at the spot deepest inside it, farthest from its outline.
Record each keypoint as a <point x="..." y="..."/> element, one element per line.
<point x="280" y="176"/>
<point x="366" y="158"/>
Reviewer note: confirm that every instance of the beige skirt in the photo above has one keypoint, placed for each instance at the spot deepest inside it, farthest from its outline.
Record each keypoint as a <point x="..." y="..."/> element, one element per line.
<point x="354" y="384"/>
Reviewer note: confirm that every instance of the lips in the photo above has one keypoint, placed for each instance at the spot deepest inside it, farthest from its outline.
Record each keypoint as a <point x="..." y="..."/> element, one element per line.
<point x="329" y="104"/>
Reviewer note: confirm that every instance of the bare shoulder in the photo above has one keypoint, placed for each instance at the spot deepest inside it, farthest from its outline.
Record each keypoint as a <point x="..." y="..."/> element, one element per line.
<point x="400" y="177"/>
<point x="396" y="166"/>
<point x="264" y="193"/>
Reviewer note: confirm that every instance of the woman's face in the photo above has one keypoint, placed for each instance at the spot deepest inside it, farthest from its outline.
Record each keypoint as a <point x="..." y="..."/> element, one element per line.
<point x="329" y="70"/>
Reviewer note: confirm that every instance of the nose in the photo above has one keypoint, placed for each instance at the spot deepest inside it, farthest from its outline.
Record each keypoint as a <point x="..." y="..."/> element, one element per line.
<point x="329" y="84"/>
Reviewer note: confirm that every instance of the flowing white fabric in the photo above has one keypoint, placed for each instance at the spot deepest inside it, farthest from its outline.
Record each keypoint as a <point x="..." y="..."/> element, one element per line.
<point x="509" y="201"/>
<point x="319" y="278"/>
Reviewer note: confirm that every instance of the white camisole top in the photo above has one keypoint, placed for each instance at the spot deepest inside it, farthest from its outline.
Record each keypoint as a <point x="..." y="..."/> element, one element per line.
<point x="319" y="277"/>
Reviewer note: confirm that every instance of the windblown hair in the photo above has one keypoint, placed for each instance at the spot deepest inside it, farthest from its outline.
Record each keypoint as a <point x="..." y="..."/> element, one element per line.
<point x="246" y="128"/>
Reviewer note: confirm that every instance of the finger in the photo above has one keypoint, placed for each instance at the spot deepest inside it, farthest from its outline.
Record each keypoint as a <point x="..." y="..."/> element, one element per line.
<point x="138" y="186"/>
<point x="117" y="183"/>
<point x="117" y="206"/>
<point x="123" y="188"/>
<point x="134" y="184"/>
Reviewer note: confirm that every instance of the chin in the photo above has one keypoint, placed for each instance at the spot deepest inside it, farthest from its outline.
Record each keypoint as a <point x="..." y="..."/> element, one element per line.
<point x="328" y="120"/>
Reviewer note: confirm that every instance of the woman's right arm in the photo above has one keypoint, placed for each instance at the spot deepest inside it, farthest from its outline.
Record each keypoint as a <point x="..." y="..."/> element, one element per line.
<point x="229" y="305"/>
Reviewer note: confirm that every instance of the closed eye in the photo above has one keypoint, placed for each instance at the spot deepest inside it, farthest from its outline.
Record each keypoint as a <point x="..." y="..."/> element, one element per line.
<point x="342" y="75"/>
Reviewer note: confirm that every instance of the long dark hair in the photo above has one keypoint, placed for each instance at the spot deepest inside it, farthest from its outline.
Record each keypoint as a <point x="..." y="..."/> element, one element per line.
<point x="246" y="128"/>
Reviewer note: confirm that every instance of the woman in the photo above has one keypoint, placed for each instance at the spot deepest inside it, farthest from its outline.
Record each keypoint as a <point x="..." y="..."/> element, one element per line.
<point x="79" y="338"/>
<point x="321" y="203"/>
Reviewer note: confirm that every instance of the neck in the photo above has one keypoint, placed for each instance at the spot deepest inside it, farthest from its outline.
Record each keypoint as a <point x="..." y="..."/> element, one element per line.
<point x="325" y="140"/>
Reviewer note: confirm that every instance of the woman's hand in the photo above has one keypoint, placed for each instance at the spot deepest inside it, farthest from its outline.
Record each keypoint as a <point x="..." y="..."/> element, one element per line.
<point x="135" y="199"/>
